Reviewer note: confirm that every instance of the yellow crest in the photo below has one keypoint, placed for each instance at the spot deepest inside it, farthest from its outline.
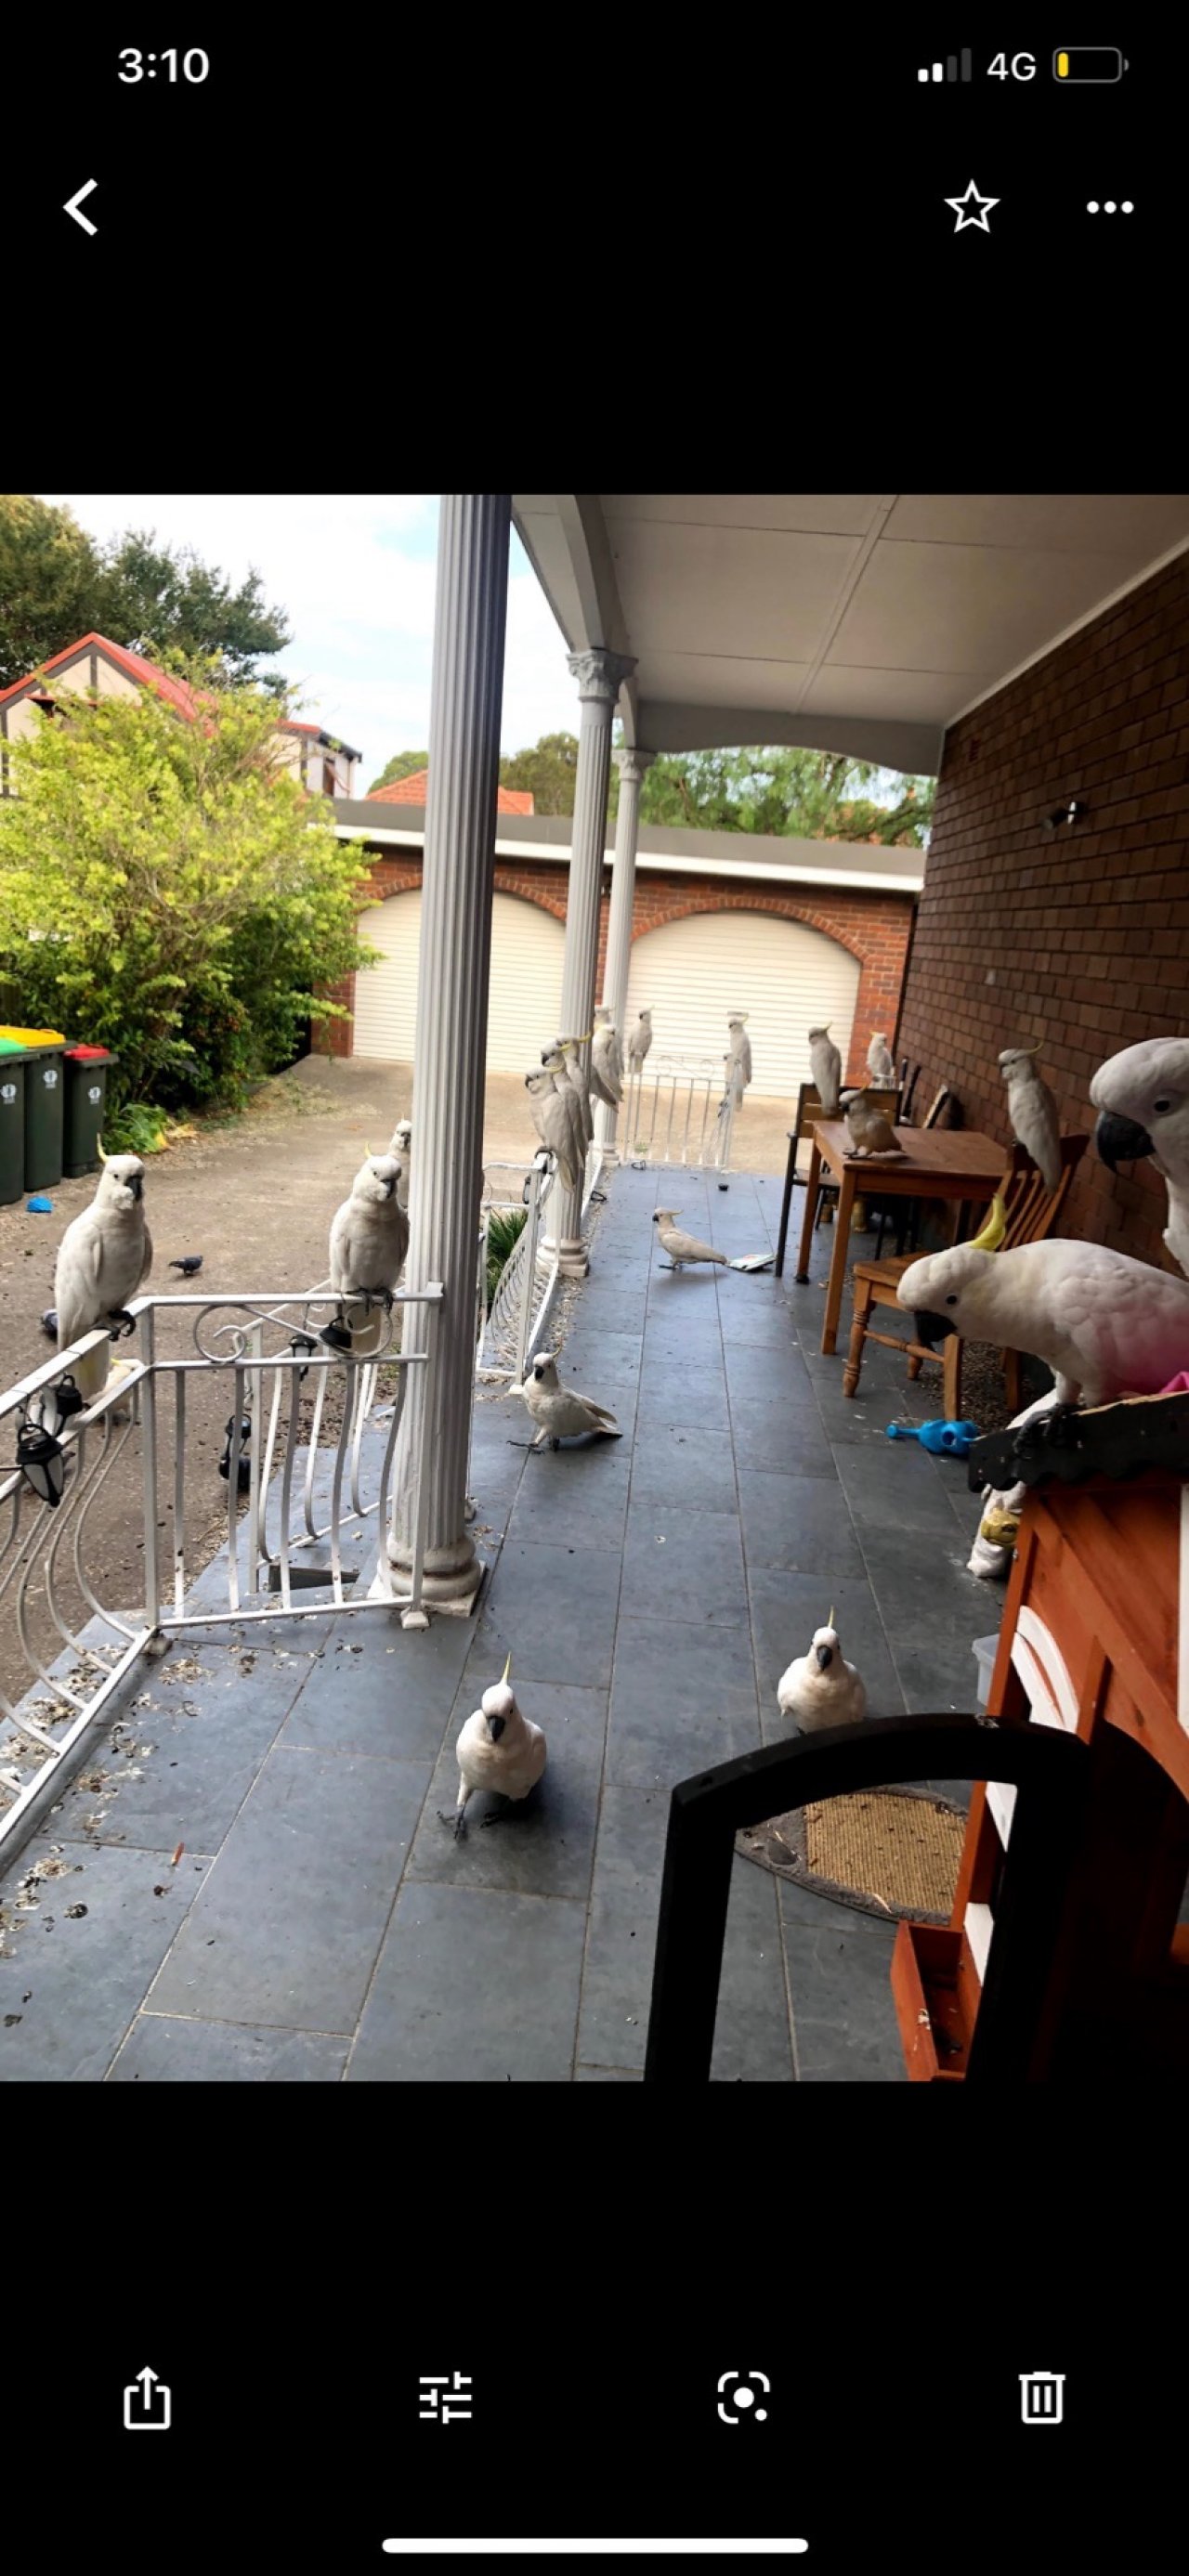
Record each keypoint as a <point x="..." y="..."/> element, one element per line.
<point x="994" y="1230"/>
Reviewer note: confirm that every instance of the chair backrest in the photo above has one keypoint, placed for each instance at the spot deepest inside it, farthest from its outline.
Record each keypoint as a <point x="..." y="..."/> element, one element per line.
<point x="908" y="1084"/>
<point x="1032" y="1210"/>
<point x="938" y="1105"/>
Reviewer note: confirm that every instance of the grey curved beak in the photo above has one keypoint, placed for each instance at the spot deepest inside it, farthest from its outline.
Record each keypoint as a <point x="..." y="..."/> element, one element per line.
<point x="136" y="1185"/>
<point x="495" y="1728"/>
<point x="931" y="1329"/>
<point x="825" y="1657"/>
<point x="1120" y="1140"/>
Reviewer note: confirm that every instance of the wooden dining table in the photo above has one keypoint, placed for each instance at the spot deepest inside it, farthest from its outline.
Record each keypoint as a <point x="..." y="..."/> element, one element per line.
<point x="955" y="1163"/>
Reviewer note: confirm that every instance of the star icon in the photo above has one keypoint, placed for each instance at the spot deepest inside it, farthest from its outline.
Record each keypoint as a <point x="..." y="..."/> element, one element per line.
<point x="972" y="210"/>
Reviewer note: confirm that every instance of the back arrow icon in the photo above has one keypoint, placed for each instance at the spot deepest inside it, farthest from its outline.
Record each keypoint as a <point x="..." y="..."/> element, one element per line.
<point x="73" y="204"/>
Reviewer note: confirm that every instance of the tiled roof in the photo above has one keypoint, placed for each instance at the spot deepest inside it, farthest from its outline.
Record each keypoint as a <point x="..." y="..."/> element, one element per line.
<point x="175" y="692"/>
<point x="412" y="791"/>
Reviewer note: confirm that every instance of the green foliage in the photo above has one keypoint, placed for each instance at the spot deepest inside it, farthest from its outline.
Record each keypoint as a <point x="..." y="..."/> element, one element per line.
<point x="169" y="889"/>
<point x="56" y="585"/>
<point x="504" y="1229"/>
<point x="814" y="795"/>
<point x="135" y="1129"/>
<point x="549" y="771"/>
<point x="403" y="764"/>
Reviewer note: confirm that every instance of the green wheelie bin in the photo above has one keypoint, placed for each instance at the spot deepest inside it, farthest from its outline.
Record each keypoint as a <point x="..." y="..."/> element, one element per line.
<point x="86" y="1101"/>
<point x="44" y="1094"/>
<point x="13" y="1062"/>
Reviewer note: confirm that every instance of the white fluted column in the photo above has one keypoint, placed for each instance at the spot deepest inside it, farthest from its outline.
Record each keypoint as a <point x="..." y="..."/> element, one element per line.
<point x="449" y="1072"/>
<point x="631" y="765"/>
<point x="600" y="676"/>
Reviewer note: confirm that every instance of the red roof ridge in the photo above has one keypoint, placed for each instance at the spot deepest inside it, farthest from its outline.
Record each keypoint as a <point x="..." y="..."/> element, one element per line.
<point x="413" y="790"/>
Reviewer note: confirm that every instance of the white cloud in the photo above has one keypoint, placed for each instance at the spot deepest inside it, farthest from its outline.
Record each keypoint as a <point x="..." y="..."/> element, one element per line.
<point x="356" y="573"/>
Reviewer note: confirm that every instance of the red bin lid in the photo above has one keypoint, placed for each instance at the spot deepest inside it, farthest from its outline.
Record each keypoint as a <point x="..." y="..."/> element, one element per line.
<point x="90" y="1054"/>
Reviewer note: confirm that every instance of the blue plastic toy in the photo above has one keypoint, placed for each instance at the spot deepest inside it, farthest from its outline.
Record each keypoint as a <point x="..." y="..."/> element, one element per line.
<point x="946" y="1439"/>
<point x="40" y="1207"/>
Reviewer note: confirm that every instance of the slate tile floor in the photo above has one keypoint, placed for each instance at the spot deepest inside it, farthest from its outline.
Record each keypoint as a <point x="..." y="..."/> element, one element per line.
<point x="322" y="1925"/>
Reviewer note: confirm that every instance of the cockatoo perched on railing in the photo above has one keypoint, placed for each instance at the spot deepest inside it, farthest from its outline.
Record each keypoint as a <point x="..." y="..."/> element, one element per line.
<point x="559" y="1412"/>
<point x="402" y="1148"/>
<point x="1035" y="1117"/>
<point x="821" y="1689"/>
<point x="825" y="1064"/>
<point x="1143" y="1095"/>
<point x="738" y="1059"/>
<point x="498" y="1750"/>
<point x="639" y="1041"/>
<point x="555" y="1065"/>
<point x="1107" y="1326"/>
<point x="606" y="1060"/>
<point x="104" y="1256"/>
<point x="369" y="1237"/>
<point x="879" y="1060"/>
<point x="552" y="1118"/>
<point x="567" y="1048"/>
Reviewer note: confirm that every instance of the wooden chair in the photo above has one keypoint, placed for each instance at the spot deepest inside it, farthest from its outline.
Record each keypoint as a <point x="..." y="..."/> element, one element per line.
<point x="908" y="1084"/>
<point x="1032" y="1212"/>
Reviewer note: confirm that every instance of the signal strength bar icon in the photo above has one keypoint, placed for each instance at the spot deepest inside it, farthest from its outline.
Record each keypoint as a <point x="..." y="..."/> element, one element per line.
<point x="949" y="69"/>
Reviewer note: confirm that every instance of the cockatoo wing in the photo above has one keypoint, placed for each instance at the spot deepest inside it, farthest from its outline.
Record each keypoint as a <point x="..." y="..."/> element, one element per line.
<point x="78" y="1291"/>
<point x="1037" y="1122"/>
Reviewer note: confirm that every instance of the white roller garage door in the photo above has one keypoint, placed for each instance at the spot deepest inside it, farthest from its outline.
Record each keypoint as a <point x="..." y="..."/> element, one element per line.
<point x="527" y="946"/>
<point x="693" y="973"/>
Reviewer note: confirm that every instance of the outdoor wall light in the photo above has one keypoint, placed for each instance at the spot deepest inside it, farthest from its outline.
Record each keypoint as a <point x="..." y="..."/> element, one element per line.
<point x="42" y="1462"/>
<point x="1070" y="813"/>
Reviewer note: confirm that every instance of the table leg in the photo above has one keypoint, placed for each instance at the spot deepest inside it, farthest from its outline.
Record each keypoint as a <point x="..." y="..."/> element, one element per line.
<point x="846" y="1199"/>
<point x="785" y="1205"/>
<point x="811" y="1190"/>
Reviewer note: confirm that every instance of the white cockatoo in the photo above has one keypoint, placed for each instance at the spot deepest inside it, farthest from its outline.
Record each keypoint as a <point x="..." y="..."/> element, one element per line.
<point x="740" y="1047"/>
<point x="825" y="1064"/>
<point x="104" y="1256"/>
<point x="821" y="1689"/>
<point x="369" y="1237"/>
<point x="402" y="1148"/>
<point x="1107" y="1326"/>
<point x="870" y="1132"/>
<point x="578" y="1084"/>
<point x="499" y="1750"/>
<point x="606" y="1057"/>
<point x="683" y="1247"/>
<point x="1143" y="1097"/>
<point x="553" y="1120"/>
<point x="559" y="1412"/>
<point x="1035" y="1117"/>
<point x="555" y="1065"/>
<point x="879" y="1060"/>
<point x="639" y="1041"/>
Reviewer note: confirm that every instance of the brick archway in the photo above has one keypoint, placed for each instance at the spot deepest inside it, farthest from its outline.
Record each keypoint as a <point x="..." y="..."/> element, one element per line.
<point x="545" y="887"/>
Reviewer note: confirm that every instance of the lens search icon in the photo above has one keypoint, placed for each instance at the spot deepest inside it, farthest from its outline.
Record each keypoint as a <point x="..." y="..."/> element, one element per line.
<point x="742" y="2404"/>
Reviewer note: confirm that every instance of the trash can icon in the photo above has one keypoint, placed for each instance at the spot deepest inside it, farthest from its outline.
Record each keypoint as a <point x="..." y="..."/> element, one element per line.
<point x="1040" y="2396"/>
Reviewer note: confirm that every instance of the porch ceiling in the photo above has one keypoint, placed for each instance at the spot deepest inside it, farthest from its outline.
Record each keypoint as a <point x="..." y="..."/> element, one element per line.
<point x="860" y="622"/>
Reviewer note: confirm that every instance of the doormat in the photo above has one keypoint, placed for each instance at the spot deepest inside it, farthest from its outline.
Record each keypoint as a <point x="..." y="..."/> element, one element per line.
<point x="890" y="1852"/>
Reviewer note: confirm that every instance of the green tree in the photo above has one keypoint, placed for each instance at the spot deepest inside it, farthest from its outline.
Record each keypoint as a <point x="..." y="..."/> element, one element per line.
<point x="813" y="795"/>
<point x="57" y="584"/>
<point x="169" y="890"/>
<point x="403" y="764"/>
<point x="549" y="771"/>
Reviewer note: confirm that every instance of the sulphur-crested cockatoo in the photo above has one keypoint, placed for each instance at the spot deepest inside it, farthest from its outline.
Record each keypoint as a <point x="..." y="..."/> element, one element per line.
<point x="559" y="1412"/>
<point x="498" y="1749"/>
<point x="555" y="1065"/>
<point x="639" y="1041"/>
<point x="578" y="1084"/>
<point x="821" y="1688"/>
<point x="369" y="1237"/>
<point x="870" y="1132"/>
<point x="879" y="1060"/>
<point x="553" y="1122"/>
<point x="1106" y="1325"/>
<point x="825" y="1064"/>
<point x="683" y="1247"/>
<point x="1035" y="1117"/>
<point x="1143" y="1095"/>
<point x="402" y="1149"/>
<point x="606" y="1060"/>
<point x="740" y="1048"/>
<point x="104" y="1256"/>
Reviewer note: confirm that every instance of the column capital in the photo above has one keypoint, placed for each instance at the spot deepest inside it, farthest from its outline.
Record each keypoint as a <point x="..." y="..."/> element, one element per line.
<point x="631" y="763"/>
<point x="600" y="674"/>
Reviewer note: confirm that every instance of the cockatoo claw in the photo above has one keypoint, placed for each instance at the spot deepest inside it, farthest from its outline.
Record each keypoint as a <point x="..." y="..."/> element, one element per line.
<point x="456" y="1818"/>
<point x="120" y="1322"/>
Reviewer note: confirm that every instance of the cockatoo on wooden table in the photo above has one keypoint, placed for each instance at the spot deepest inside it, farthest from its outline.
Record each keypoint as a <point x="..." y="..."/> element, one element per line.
<point x="879" y="1060"/>
<point x="1107" y="1326"/>
<point x="369" y="1237"/>
<point x="553" y="1120"/>
<point x="104" y="1256"/>
<point x="683" y="1247"/>
<point x="1035" y="1117"/>
<point x="825" y="1064"/>
<point x="606" y="1060"/>
<point x="1143" y="1095"/>
<point x="559" y="1412"/>
<point x="870" y="1132"/>
<point x="499" y="1750"/>
<point x="639" y="1041"/>
<point x="821" y="1689"/>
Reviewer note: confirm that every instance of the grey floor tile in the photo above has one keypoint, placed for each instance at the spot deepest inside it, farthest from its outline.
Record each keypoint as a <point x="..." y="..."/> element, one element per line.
<point x="760" y="1375"/>
<point x="288" y="1925"/>
<point x="749" y="1323"/>
<point x="381" y="1689"/>
<point x="926" y="1596"/>
<point x="564" y="1498"/>
<point x="543" y="1846"/>
<point x="162" y="2050"/>
<point x="895" y="1485"/>
<point x="70" y="1985"/>
<point x="608" y="2075"/>
<point x="477" y="1985"/>
<point x="693" y="1398"/>
<point x="684" y="1466"/>
<point x="785" y="1610"/>
<point x="683" y="1698"/>
<point x="939" y="1677"/>
<point x="839" y="1965"/>
<point x="675" y="1338"/>
<point x="553" y="1609"/>
<point x="682" y="1564"/>
<point x="593" y="1359"/>
<point x="751" y="2035"/>
<point x="800" y="1522"/>
<point x="625" y="1900"/>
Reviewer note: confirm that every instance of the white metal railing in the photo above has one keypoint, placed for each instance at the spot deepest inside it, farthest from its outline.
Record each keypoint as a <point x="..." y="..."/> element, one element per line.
<point x="520" y="1309"/>
<point x="671" y="1103"/>
<point x="313" y="1486"/>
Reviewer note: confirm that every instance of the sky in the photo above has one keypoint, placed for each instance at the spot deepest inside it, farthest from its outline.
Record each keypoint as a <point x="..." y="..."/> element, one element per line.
<point x="356" y="574"/>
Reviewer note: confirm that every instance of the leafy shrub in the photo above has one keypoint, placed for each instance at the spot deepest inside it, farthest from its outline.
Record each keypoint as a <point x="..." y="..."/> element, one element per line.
<point x="504" y="1230"/>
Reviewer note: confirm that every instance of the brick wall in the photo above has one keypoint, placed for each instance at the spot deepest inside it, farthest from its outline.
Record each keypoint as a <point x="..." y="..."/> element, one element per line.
<point x="874" y="927"/>
<point x="1079" y="937"/>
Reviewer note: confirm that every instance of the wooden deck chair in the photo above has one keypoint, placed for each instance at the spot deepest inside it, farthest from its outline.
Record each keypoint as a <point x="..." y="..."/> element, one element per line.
<point x="1032" y="1213"/>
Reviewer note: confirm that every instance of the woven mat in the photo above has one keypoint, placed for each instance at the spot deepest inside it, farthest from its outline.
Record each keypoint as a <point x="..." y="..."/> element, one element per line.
<point x="889" y="1852"/>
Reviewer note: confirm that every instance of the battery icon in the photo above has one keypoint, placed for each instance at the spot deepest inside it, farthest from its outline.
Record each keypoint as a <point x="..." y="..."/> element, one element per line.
<point x="1089" y="63"/>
